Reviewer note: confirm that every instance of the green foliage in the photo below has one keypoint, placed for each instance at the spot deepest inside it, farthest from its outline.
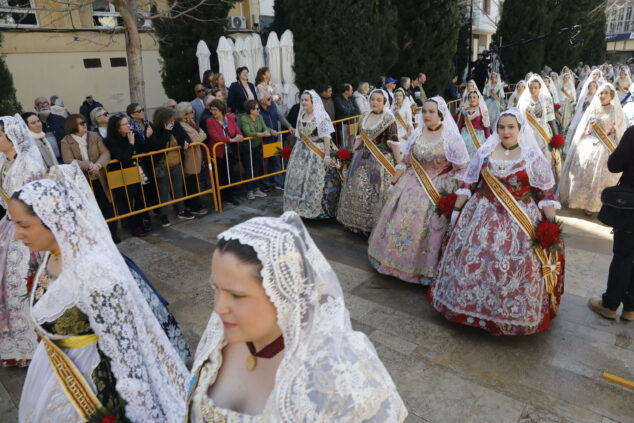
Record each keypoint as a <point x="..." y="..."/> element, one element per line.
<point x="590" y="14"/>
<point x="462" y="52"/>
<point x="9" y="104"/>
<point x="338" y="41"/>
<point x="427" y="40"/>
<point x="178" y="39"/>
<point x="523" y="20"/>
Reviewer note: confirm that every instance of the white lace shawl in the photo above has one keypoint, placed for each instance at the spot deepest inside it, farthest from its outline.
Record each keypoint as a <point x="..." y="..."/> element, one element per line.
<point x="482" y="105"/>
<point x="453" y="144"/>
<point x="545" y="101"/>
<point x="569" y="87"/>
<point x="514" y="99"/>
<point x="28" y="165"/>
<point x="538" y="168"/>
<point x="329" y="373"/>
<point x="582" y="98"/>
<point x="151" y="377"/>
<point x="620" y="125"/>
<point x="552" y="88"/>
<point x="324" y="124"/>
<point x="498" y="88"/>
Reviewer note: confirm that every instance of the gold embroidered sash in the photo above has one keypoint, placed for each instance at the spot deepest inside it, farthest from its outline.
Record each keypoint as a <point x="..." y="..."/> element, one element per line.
<point x="425" y="180"/>
<point x="567" y="95"/>
<point x="377" y="154"/>
<point x="551" y="267"/>
<point x="5" y="197"/>
<point x="603" y="137"/>
<point x="471" y="129"/>
<point x="400" y="120"/>
<point x="495" y="96"/>
<point x="542" y="132"/>
<point x="313" y="147"/>
<point x="73" y="383"/>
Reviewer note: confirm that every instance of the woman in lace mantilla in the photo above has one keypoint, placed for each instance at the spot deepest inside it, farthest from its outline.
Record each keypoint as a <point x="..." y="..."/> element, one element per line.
<point x="20" y="163"/>
<point x="323" y="371"/>
<point x="494" y="87"/>
<point x="85" y="288"/>
<point x="567" y="100"/>
<point x="585" y="172"/>
<point x="312" y="184"/>
<point x="365" y="189"/>
<point x="406" y="240"/>
<point x="489" y="275"/>
<point x="479" y="116"/>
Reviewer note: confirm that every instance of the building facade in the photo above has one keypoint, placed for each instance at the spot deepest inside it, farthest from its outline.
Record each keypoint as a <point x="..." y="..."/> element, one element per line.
<point x="620" y="31"/>
<point x="486" y="15"/>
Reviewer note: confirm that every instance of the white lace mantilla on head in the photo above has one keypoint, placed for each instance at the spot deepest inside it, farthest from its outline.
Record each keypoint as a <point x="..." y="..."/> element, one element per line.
<point x="539" y="170"/>
<point x="482" y="105"/>
<point x="454" y="146"/>
<point x="545" y="101"/>
<point x="151" y="377"/>
<point x="324" y="124"/>
<point x="329" y="373"/>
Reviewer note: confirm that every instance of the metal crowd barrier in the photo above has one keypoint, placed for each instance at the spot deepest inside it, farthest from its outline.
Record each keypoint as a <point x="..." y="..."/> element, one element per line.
<point x="131" y="176"/>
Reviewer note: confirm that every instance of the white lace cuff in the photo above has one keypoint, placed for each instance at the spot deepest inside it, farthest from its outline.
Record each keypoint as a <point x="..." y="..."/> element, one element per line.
<point x="545" y="203"/>
<point x="463" y="191"/>
<point x="390" y="142"/>
<point x="400" y="166"/>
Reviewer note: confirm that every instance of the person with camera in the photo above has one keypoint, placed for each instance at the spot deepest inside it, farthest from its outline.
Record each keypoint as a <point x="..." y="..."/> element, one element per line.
<point x="481" y="69"/>
<point x="620" y="288"/>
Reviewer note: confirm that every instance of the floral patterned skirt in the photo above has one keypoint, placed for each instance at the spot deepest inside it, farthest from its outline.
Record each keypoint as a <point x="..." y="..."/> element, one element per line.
<point x="471" y="148"/>
<point x="489" y="275"/>
<point x="406" y="240"/>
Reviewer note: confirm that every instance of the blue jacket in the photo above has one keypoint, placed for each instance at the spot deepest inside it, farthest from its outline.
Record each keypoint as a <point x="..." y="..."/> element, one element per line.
<point x="237" y="97"/>
<point x="270" y="119"/>
<point x="55" y="124"/>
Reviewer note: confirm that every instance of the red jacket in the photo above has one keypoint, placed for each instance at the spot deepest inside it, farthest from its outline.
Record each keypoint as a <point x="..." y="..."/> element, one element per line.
<point x="217" y="133"/>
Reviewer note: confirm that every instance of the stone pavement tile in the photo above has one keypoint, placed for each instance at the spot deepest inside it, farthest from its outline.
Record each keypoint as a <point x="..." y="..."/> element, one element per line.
<point x="413" y="418"/>
<point x="358" y="307"/>
<point x="532" y="414"/>
<point x="394" y="342"/>
<point x="12" y="380"/>
<point x="349" y="277"/>
<point x="8" y="410"/>
<point x="586" y="272"/>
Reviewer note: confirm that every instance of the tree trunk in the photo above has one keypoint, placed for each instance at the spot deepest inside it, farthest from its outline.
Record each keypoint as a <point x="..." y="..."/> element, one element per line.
<point x="127" y="9"/>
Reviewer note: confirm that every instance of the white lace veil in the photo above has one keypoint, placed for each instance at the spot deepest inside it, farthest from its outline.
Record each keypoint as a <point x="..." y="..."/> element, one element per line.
<point x="455" y="148"/>
<point x="324" y="124"/>
<point x="582" y="129"/>
<point x="582" y="98"/>
<point x="538" y="168"/>
<point x="482" y="105"/>
<point x="151" y="377"/>
<point x="569" y="86"/>
<point x="499" y="86"/>
<point x="552" y="88"/>
<point x="329" y="373"/>
<point x="545" y="100"/>
<point x="514" y="97"/>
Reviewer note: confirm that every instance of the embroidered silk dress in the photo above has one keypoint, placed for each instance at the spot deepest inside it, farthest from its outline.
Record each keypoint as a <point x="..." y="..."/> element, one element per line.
<point x="310" y="190"/>
<point x="543" y="117"/>
<point x="482" y="132"/>
<point x="494" y="106"/>
<point x="489" y="275"/>
<point x="406" y="240"/>
<point x="365" y="189"/>
<point x="586" y="172"/>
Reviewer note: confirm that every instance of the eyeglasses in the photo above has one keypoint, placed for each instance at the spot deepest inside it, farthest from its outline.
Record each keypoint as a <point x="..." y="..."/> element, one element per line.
<point x="103" y="114"/>
<point x="83" y="123"/>
<point x="139" y="111"/>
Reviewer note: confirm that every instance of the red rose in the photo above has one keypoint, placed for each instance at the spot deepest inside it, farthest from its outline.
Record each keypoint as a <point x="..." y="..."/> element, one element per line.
<point x="344" y="154"/>
<point x="557" y="107"/>
<point x="29" y="283"/>
<point x="446" y="204"/>
<point x="110" y="418"/>
<point x="286" y="152"/>
<point x="455" y="116"/>
<point x="557" y="141"/>
<point x="548" y="234"/>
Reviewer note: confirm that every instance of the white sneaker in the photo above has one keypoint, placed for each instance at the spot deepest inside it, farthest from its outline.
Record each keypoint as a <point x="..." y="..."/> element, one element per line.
<point x="250" y="195"/>
<point x="258" y="193"/>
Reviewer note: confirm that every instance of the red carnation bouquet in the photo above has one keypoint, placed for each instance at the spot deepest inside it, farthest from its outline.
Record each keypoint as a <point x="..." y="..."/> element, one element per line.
<point x="557" y="107"/>
<point x="286" y="152"/>
<point x="548" y="235"/>
<point x="344" y="155"/>
<point x="556" y="142"/>
<point x="446" y="204"/>
<point x="34" y="264"/>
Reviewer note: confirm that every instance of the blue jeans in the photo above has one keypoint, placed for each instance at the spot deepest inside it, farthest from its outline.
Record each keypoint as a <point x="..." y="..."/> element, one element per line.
<point x="273" y="164"/>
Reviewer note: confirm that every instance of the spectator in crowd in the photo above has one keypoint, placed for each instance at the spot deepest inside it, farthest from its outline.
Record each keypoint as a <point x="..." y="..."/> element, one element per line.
<point x="167" y="167"/>
<point x="52" y="125"/>
<point x="420" y="96"/>
<point x="139" y="124"/>
<point x="325" y="92"/>
<point x="219" y="94"/>
<point x="198" y="103"/>
<point x="360" y="97"/>
<point x="35" y="127"/>
<point x="390" y="85"/>
<point x="92" y="157"/>
<point x="620" y="287"/>
<point x="223" y="129"/>
<point x="99" y="118"/>
<point x="481" y="71"/>
<point x="57" y="107"/>
<point x="218" y="81"/>
<point x="252" y="126"/>
<point x="291" y="117"/>
<point x="344" y="104"/>
<point x="207" y="81"/>
<point x="87" y="106"/>
<point x="451" y="93"/>
<point x="206" y="113"/>
<point x="170" y="104"/>
<point x="406" y="84"/>
<point x="192" y="157"/>
<point x="121" y="142"/>
<point x="268" y="111"/>
<point x="241" y="91"/>
<point x="263" y="84"/>
<point x="381" y="82"/>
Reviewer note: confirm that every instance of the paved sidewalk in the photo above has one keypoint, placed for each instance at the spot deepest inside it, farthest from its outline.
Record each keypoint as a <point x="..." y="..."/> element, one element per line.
<point x="444" y="372"/>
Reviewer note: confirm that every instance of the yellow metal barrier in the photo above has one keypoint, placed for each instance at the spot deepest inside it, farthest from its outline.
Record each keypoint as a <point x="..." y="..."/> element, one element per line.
<point x="127" y="177"/>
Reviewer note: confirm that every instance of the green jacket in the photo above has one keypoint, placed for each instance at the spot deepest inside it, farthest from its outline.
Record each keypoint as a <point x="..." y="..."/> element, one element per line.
<point x="251" y="129"/>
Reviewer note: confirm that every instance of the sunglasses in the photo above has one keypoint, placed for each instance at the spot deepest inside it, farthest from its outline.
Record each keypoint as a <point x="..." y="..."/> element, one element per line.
<point x="139" y="111"/>
<point x="103" y="114"/>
